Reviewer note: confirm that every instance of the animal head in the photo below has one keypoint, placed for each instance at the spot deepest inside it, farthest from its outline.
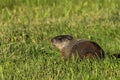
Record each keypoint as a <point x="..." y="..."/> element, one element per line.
<point x="61" y="41"/>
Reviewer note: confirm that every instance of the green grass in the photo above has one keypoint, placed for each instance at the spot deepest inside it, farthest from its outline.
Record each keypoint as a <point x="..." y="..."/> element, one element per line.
<point x="26" y="27"/>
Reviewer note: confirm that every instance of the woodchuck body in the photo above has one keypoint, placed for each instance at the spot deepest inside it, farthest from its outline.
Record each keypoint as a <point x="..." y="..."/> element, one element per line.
<point x="84" y="49"/>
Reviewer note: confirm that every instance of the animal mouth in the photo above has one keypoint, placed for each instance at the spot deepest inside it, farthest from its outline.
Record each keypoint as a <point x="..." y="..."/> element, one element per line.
<point x="54" y="45"/>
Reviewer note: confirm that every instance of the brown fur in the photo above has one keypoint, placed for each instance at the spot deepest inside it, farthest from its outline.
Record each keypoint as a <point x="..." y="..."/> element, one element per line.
<point x="70" y="47"/>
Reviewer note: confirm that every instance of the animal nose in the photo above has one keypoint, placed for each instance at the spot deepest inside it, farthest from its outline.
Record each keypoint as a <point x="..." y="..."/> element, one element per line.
<point x="52" y="40"/>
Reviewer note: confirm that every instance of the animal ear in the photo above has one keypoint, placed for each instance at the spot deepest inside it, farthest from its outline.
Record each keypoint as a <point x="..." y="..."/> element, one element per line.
<point x="69" y="37"/>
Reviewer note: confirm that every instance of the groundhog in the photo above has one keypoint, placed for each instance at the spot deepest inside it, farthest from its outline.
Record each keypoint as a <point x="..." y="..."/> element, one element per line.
<point x="83" y="49"/>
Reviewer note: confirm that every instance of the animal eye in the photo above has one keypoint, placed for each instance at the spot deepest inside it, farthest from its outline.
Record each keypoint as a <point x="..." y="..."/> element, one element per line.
<point x="59" y="38"/>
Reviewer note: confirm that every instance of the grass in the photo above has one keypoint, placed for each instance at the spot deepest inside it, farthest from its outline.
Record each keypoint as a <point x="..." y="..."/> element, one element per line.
<point x="26" y="27"/>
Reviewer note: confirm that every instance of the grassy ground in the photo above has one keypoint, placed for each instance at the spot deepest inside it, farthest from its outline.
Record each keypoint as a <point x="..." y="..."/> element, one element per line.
<point x="26" y="27"/>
